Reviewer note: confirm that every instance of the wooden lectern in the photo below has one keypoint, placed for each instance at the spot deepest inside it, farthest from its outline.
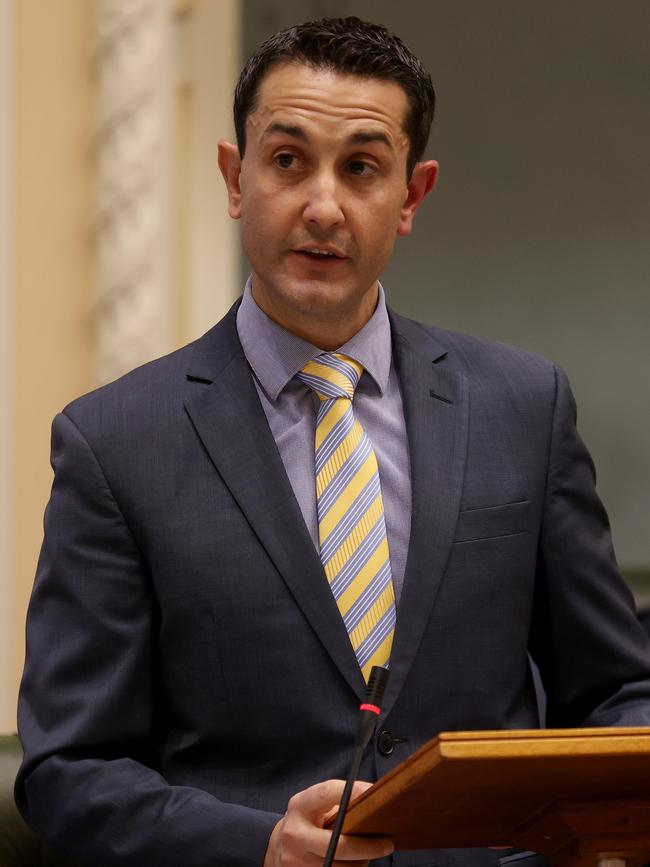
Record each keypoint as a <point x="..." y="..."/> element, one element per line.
<point x="579" y="796"/>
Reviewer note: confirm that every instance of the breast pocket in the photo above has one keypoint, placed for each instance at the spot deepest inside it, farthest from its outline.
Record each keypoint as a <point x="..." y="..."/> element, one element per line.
<point x="508" y="519"/>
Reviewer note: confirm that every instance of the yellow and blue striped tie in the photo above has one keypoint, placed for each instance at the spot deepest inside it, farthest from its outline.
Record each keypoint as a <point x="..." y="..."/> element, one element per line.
<point x="351" y="525"/>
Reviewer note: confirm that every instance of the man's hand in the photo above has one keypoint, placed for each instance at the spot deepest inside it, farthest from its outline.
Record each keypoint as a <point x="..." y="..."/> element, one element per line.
<point x="299" y="839"/>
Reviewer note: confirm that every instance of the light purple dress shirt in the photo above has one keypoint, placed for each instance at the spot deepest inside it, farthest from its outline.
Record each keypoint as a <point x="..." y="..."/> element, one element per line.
<point x="275" y="355"/>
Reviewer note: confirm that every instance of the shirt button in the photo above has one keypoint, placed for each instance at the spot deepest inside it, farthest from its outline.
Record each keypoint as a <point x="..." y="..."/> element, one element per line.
<point x="385" y="743"/>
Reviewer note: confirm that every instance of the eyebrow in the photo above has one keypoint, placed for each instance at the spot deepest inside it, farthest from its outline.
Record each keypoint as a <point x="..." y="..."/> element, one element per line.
<point x="357" y="138"/>
<point x="361" y="138"/>
<point x="287" y="129"/>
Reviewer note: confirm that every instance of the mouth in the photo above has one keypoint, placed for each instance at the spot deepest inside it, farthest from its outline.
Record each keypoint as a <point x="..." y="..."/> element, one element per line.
<point x="320" y="255"/>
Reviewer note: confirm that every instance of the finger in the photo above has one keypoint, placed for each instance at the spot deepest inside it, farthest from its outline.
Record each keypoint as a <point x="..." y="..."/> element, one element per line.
<point x="316" y="801"/>
<point x="352" y="848"/>
<point x="302" y="839"/>
<point x="309" y="860"/>
<point x="338" y="863"/>
<point x="317" y="861"/>
<point x="299" y="834"/>
<point x="357" y="789"/>
<point x="348" y="848"/>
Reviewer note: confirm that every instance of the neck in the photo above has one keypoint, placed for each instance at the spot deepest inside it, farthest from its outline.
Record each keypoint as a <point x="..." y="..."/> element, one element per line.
<point x="327" y="336"/>
<point x="326" y="329"/>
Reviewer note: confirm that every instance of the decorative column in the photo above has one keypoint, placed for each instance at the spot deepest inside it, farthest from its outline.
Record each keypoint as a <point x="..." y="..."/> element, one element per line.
<point x="132" y="310"/>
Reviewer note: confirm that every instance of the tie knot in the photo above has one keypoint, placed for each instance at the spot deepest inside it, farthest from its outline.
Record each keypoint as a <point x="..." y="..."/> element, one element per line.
<point x="331" y="375"/>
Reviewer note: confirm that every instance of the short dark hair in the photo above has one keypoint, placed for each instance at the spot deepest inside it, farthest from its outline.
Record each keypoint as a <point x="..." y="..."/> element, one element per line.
<point x="347" y="46"/>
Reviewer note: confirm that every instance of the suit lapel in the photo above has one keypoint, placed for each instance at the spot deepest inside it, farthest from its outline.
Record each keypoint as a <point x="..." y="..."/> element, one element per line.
<point x="436" y="410"/>
<point x="229" y="419"/>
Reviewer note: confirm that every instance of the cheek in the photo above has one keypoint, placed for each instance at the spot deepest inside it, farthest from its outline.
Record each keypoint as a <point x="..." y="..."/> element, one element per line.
<point x="258" y="219"/>
<point x="263" y="235"/>
<point x="385" y="211"/>
<point x="251" y="235"/>
<point x="266" y="213"/>
<point x="378" y="240"/>
<point x="382" y="230"/>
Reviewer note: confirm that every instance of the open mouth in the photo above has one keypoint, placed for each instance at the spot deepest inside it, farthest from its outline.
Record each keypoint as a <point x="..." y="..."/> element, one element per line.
<point x="321" y="256"/>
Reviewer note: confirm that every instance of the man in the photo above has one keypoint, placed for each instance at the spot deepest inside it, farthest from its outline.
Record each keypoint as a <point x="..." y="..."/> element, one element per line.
<point x="204" y="610"/>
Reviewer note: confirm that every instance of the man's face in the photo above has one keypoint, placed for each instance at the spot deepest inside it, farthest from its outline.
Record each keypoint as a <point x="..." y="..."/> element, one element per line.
<point x="321" y="193"/>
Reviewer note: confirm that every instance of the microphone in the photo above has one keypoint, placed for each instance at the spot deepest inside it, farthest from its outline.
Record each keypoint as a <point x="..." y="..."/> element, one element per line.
<point x="369" y="711"/>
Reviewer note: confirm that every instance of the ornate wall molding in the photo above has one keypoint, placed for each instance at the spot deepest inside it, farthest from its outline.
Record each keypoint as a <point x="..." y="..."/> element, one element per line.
<point x="131" y="314"/>
<point x="213" y="263"/>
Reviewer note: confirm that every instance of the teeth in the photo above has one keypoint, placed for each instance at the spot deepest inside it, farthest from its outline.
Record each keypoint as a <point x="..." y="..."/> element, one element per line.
<point x="319" y="252"/>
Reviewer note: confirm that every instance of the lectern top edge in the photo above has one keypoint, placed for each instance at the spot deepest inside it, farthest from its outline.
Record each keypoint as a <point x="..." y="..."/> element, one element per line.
<point x="511" y="745"/>
<point x="520" y="734"/>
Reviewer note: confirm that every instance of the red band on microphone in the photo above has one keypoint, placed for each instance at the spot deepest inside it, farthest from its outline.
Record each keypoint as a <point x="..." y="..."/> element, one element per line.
<point x="371" y="707"/>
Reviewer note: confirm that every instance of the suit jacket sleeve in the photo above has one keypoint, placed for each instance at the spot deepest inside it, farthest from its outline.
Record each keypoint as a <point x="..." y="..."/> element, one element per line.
<point x="592" y="653"/>
<point x="87" y="711"/>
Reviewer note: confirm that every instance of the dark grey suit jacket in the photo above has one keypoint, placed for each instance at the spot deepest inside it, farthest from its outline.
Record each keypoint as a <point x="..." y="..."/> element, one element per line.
<point x="187" y="667"/>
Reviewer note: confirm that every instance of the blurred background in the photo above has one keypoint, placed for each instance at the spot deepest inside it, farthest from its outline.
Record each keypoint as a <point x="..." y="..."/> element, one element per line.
<point x="115" y="246"/>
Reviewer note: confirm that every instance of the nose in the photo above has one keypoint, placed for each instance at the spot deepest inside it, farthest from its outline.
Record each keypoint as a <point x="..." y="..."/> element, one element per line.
<point x="323" y="207"/>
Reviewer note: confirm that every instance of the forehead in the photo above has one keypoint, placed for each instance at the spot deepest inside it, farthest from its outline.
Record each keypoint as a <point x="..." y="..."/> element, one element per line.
<point x="300" y="94"/>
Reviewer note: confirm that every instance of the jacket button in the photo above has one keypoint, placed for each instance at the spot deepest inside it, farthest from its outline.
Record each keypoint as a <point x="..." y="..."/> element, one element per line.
<point x="385" y="743"/>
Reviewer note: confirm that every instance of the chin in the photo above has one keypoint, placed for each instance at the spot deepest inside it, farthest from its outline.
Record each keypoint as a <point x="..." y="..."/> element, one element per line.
<point x="290" y="298"/>
<point x="316" y="296"/>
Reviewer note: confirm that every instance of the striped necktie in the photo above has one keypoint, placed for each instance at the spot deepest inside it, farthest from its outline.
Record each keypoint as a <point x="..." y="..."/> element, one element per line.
<point x="351" y="525"/>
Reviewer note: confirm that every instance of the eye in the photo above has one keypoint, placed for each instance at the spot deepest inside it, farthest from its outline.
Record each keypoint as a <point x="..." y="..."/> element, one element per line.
<point x="284" y="160"/>
<point x="361" y="168"/>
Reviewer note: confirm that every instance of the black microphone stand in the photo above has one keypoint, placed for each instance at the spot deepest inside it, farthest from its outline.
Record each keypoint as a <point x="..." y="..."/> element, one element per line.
<point x="370" y="710"/>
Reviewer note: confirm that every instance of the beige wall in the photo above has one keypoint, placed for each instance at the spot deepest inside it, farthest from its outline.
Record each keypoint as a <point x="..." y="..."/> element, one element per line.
<point x="5" y="330"/>
<point x="48" y="110"/>
<point x="49" y="352"/>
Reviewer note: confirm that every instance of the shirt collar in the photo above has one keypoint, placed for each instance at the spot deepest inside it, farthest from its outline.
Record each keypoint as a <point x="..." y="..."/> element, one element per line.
<point x="276" y="355"/>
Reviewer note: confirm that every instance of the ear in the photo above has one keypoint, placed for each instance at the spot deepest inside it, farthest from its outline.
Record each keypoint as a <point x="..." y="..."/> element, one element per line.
<point x="423" y="180"/>
<point x="230" y="165"/>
